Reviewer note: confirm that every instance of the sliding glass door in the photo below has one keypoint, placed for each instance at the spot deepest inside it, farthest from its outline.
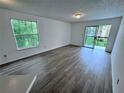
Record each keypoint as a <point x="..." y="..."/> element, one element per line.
<point x="90" y="36"/>
<point x="96" y="36"/>
<point x="102" y="36"/>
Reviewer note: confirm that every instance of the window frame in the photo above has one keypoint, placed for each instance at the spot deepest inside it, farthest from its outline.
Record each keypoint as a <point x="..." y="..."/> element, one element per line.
<point x="14" y="35"/>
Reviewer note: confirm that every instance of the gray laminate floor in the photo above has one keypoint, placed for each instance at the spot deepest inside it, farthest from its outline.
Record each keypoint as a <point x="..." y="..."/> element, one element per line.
<point x="66" y="70"/>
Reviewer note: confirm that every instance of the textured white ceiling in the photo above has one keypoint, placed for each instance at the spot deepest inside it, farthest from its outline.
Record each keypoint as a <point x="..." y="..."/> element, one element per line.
<point x="64" y="9"/>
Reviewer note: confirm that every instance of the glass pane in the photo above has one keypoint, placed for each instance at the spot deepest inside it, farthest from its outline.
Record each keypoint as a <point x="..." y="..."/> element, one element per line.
<point x="101" y="42"/>
<point x="27" y="41"/>
<point x="104" y="30"/>
<point x="29" y="28"/>
<point x="90" y="31"/>
<point x="89" y="41"/>
<point x="15" y="26"/>
<point x="34" y="27"/>
<point x="24" y="27"/>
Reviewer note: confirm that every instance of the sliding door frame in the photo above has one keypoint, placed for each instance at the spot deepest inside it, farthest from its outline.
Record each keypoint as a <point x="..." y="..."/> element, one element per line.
<point x="97" y="27"/>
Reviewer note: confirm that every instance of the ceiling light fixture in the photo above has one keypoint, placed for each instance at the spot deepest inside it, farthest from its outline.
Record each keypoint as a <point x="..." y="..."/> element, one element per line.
<point x="8" y="2"/>
<point x="77" y="15"/>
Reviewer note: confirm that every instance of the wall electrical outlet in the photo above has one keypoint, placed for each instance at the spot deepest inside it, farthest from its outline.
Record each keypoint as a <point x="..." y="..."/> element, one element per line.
<point x="5" y="56"/>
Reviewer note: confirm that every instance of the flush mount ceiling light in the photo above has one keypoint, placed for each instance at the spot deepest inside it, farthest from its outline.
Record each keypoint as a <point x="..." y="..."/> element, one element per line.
<point x="8" y="2"/>
<point x="78" y="15"/>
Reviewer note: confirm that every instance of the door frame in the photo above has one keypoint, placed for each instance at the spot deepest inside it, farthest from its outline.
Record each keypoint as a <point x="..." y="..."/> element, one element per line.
<point x="97" y="27"/>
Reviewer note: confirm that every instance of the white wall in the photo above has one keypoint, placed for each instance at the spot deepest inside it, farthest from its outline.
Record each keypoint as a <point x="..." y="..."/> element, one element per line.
<point x="117" y="59"/>
<point x="77" y="31"/>
<point x="1" y="36"/>
<point x="53" y="34"/>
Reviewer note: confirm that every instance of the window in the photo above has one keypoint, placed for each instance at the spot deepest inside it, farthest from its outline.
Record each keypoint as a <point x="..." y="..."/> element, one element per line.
<point x="25" y="33"/>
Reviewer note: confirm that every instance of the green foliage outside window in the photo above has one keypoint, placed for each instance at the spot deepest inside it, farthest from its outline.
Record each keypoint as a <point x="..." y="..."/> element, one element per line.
<point x="25" y="33"/>
<point x="101" y="42"/>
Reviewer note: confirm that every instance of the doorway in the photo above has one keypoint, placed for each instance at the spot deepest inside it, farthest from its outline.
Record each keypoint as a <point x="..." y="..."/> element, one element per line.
<point x="96" y="36"/>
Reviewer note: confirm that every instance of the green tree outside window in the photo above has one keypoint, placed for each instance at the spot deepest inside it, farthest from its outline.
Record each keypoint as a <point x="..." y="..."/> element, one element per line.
<point x="25" y="33"/>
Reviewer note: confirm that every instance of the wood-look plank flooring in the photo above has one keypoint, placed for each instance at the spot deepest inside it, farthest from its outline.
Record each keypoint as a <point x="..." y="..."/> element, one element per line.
<point x="66" y="70"/>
